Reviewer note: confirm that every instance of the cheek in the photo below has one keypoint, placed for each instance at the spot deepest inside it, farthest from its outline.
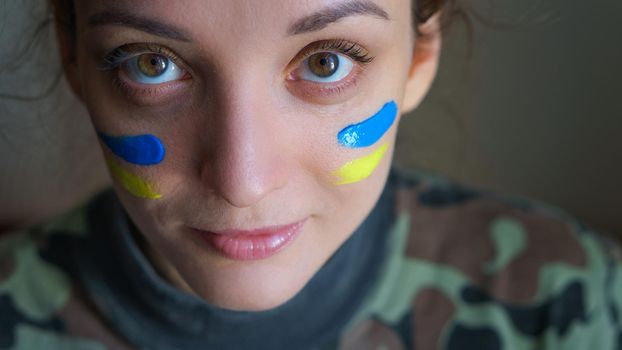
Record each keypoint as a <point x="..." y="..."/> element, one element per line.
<point x="365" y="135"/>
<point x="139" y="151"/>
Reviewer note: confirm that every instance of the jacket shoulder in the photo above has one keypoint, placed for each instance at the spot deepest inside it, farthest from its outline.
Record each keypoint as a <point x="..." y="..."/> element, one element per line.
<point x="41" y="304"/>
<point x="473" y="269"/>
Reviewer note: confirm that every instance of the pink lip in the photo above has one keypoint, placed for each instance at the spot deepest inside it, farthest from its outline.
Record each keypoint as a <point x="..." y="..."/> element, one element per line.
<point x="252" y="244"/>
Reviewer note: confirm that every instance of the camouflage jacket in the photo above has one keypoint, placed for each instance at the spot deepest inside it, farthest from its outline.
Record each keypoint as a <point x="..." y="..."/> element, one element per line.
<point x="460" y="269"/>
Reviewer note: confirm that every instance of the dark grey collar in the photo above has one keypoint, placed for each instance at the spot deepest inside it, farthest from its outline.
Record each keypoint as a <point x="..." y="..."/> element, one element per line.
<point x="153" y="314"/>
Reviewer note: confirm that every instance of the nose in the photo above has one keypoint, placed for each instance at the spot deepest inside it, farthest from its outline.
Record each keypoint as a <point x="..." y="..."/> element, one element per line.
<point x="247" y="161"/>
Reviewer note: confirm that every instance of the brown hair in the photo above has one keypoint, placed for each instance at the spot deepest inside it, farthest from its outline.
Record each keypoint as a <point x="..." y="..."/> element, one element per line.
<point x="423" y="10"/>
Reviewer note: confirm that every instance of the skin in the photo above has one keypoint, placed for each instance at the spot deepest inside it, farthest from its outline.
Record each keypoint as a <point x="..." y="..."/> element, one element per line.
<point x="246" y="146"/>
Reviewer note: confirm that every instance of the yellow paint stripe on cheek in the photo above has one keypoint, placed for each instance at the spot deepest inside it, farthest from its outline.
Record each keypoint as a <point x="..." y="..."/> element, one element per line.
<point x="360" y="169"/>
<point x="131" y="182"/>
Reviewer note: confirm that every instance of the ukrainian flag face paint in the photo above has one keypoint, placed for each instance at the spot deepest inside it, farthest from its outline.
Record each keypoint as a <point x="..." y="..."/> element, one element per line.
<point x="370" y="131"/>
<point x="141" y="150"/>
<point x="133" y="183"/>
<point x="365" y="134"/>
<point x="360" y="168"/>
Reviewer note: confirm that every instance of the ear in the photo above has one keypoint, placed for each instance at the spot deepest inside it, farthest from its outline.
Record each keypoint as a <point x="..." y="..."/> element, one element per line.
<point x="424" y="63"/>
<point x="66" y="38"/>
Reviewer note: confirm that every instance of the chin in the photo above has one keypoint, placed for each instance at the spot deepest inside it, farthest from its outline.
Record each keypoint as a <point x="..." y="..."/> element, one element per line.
<point x="255" y="293"/>
<point x="252" y="285"/>
<point x="261" y="302"/>
<point x="257" y="285"/>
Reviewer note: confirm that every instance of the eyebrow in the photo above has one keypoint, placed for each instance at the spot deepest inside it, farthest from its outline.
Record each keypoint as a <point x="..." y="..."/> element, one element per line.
<point x="314" y="22"/>
<point x="324" y="17"/>
<point x="118" y="17"/>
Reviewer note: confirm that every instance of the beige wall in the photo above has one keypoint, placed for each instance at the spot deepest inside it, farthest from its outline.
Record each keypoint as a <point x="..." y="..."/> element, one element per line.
<point x="50" y="159"/>
<point x="537" y="112"/>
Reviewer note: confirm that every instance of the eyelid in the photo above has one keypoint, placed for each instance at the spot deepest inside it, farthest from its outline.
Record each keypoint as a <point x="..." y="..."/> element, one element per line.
<point x="123" y="53"/>
<point x="349" y="48"/>
<point x="140" y="93"/>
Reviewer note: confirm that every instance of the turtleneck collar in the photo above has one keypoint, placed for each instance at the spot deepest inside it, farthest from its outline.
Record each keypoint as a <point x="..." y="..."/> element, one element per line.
<point x="153" y="314"/>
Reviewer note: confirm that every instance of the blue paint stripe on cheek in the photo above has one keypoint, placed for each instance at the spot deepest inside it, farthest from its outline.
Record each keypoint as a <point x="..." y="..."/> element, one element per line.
<point x="139" y="150"/>
<point x="370" y="131"/>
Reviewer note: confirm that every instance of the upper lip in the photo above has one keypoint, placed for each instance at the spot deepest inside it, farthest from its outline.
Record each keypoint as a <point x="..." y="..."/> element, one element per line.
<point x="268" y="230"/>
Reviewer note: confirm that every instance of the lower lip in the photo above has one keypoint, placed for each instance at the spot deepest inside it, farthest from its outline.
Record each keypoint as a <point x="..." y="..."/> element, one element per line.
<point x="253" y="246"/>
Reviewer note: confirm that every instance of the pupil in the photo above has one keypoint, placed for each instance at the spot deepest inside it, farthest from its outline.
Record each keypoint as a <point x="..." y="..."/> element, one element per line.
<point x="324" y="64"/>
<point x="152" y="65"/>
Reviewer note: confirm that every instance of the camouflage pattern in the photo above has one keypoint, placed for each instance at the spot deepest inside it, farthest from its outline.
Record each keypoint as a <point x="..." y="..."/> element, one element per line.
<point x="465" y="270"/>
<point x="40" y="306"/>
<point x="474" y="271"/>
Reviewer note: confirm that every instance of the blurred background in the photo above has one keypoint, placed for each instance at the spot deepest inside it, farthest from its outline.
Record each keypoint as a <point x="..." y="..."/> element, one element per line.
<point x="531" y="105"/>
<point x="50" y="161"/>
<point x="527" y="105"/>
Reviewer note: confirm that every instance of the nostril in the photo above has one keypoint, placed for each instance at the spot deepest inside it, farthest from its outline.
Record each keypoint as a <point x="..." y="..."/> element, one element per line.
<point x="244" y="179"/>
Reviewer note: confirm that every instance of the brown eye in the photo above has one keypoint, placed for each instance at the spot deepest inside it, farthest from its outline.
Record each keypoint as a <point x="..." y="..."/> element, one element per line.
<point x="323" y="64"/>
<point x="325" y="67"/>
<point x="151" y="68"/>
<point x="152" y="65"/>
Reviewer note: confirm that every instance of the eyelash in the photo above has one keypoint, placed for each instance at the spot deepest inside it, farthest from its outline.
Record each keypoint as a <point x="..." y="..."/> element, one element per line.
<point x="118" y="56"/>
<point x="121" y="54"/>
<point x="346" y="47"/>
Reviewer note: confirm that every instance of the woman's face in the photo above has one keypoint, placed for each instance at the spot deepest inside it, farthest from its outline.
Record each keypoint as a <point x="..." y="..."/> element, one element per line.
<point x="247" y="139"/>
